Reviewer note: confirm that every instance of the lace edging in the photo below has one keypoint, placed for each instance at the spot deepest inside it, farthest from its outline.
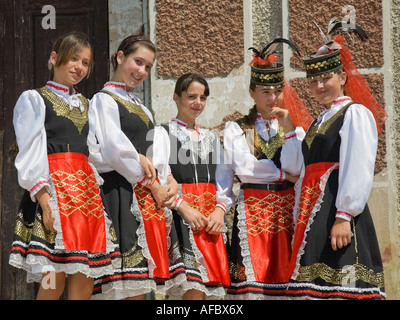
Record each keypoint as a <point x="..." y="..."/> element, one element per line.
<point x="198" y="255"/>
<point x="243" y="240"/>
<point x="323" y="180"/>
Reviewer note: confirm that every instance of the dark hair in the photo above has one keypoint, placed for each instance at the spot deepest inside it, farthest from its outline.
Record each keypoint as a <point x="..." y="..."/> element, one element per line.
<point x="66" y="46"/>
<point x="130" y="44"/>
<point x="183" y="83"/>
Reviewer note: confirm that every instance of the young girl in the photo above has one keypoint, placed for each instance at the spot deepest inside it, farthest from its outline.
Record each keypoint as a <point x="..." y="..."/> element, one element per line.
<point x="62" y="228"/>
<point x="335" y="250"/>
<point x="264" y="155"/>
<point x="196" y="161"/>
<point x="123" y="133"/>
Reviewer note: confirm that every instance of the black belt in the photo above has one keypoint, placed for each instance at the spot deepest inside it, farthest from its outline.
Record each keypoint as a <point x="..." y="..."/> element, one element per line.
<point x="269" y="186"/>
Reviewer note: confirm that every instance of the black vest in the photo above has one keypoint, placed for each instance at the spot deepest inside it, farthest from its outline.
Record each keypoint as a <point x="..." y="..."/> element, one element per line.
<point x="182" y="164"/>
<point x="136" y="125"/>
<point x="66" y="130"/>
<point x="324" y="145"/>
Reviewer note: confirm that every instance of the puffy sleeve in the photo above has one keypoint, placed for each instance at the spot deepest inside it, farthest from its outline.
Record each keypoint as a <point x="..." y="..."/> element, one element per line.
<point x="161" y="153"/>
<point x="115" y="148"/>
<point x="292" y="155"/>
<point x="31" y="161"/>
<point x="359" y="143"/>
<point x="245" y="165"/>
<point x="224" y="177"/>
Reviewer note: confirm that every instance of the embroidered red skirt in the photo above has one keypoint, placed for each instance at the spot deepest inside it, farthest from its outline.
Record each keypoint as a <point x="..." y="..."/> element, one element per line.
<point x="155" y="229"/>
<point x="311" y="190"/>
<point x="269" y="222"/>
<point x="202" y="197"/>
<point x="80" y="206"/>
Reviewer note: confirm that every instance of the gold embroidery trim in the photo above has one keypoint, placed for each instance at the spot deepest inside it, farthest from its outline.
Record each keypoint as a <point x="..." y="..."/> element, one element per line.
<point x="146" y="200"/>
<point x="25" y="230"/>
<point x="132" y="257"/>
<point x="329" y="63"/>
<point x="314" y="130"/>
<point x="268" y="76"/>
<point x="78" y="117"/>
<point x="271" y="147"/>
<point x="200" y="202"/>
<point x="87" y="196"/>
<point x="345" y="276"/>
<point x="131" y="107"/>
<point x="308" y="202"/>
<point x="271" y="214"/>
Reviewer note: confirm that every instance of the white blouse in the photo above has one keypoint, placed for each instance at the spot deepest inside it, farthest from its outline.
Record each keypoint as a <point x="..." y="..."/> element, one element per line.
<point x="251" y="170"/>
<point x="223" y="175"/>
<point x="110" y="149"/>
<point x="358" y="147"/>
<point x="28" y="120"/>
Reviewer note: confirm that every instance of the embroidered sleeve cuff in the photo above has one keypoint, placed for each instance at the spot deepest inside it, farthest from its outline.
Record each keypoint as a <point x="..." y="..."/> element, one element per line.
<point x="344" y="215"/>
<point x="144" y="181"/>
<point x="37" y="187"/>
<point x="282" y="176"/>
<point x="222" y="206"/>
<point x="178" y="202"/>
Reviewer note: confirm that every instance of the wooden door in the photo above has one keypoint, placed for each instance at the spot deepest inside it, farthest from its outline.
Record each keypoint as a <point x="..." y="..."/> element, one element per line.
<point x="24" y="51"/>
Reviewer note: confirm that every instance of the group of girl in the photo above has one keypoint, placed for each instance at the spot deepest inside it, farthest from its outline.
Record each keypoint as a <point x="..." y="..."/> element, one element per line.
<point x="121" y="208"/>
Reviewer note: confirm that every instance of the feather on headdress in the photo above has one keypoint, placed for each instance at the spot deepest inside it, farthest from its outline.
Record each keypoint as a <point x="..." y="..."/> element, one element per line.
<point x="267" y="72"/>
<point x="268" y="54"/>
<point x="330" y="44"/>
<point x="332" y="55"/>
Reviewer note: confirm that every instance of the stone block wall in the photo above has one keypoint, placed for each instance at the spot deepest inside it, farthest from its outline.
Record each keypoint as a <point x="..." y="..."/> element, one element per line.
<point x="206" y="37"/>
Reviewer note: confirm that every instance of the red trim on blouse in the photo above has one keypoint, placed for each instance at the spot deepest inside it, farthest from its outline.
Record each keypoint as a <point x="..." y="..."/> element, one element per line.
<point x="222" y="205"/>
<point x="57" y="87"/>
<point x="290" y="137"/>
<point x="281" y="176"/>
<point x="342" y="213"/>
<point x="37" y="184"/>
<point x="121" y="86"/>
<point x="183" y="124"/>
<point x="341" y="100"/>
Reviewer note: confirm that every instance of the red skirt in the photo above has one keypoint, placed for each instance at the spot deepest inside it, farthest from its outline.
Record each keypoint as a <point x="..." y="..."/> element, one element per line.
<point x="269" y="223"/>
<point x="202" y="197"/>
<point x="312" y="187"/>
<point x="80" y="206"/>
<point x="155" y="229"/>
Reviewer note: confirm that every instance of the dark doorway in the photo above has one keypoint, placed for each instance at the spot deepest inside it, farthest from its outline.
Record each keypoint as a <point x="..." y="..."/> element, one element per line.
<point x="24" y="51"/>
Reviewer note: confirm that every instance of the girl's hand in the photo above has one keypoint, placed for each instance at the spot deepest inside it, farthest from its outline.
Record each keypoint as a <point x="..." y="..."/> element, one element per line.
<point x="283" y="118"/>
<point x="291" y="178"/>
<point x="172" y="192"/>
<point x="148" y="169"/>
<point x="340" y="234"/>
<point x="217" y="222"/>
<point x="195" y="219"/>
<point x="43" y="198"/>
<point x="159" y="194"/>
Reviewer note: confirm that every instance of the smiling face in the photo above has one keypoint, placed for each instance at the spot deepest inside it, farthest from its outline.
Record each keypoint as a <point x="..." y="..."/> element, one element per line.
<point x="326" y="89"/>
<point x="74" y="70"/>
<point x="266" y="98"/>
<point x="134" y="68"/>
<point x="191" y="102"/>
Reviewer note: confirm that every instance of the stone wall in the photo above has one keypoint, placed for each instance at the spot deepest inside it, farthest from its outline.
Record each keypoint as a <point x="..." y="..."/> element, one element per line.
<point x="207" y="37"/>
